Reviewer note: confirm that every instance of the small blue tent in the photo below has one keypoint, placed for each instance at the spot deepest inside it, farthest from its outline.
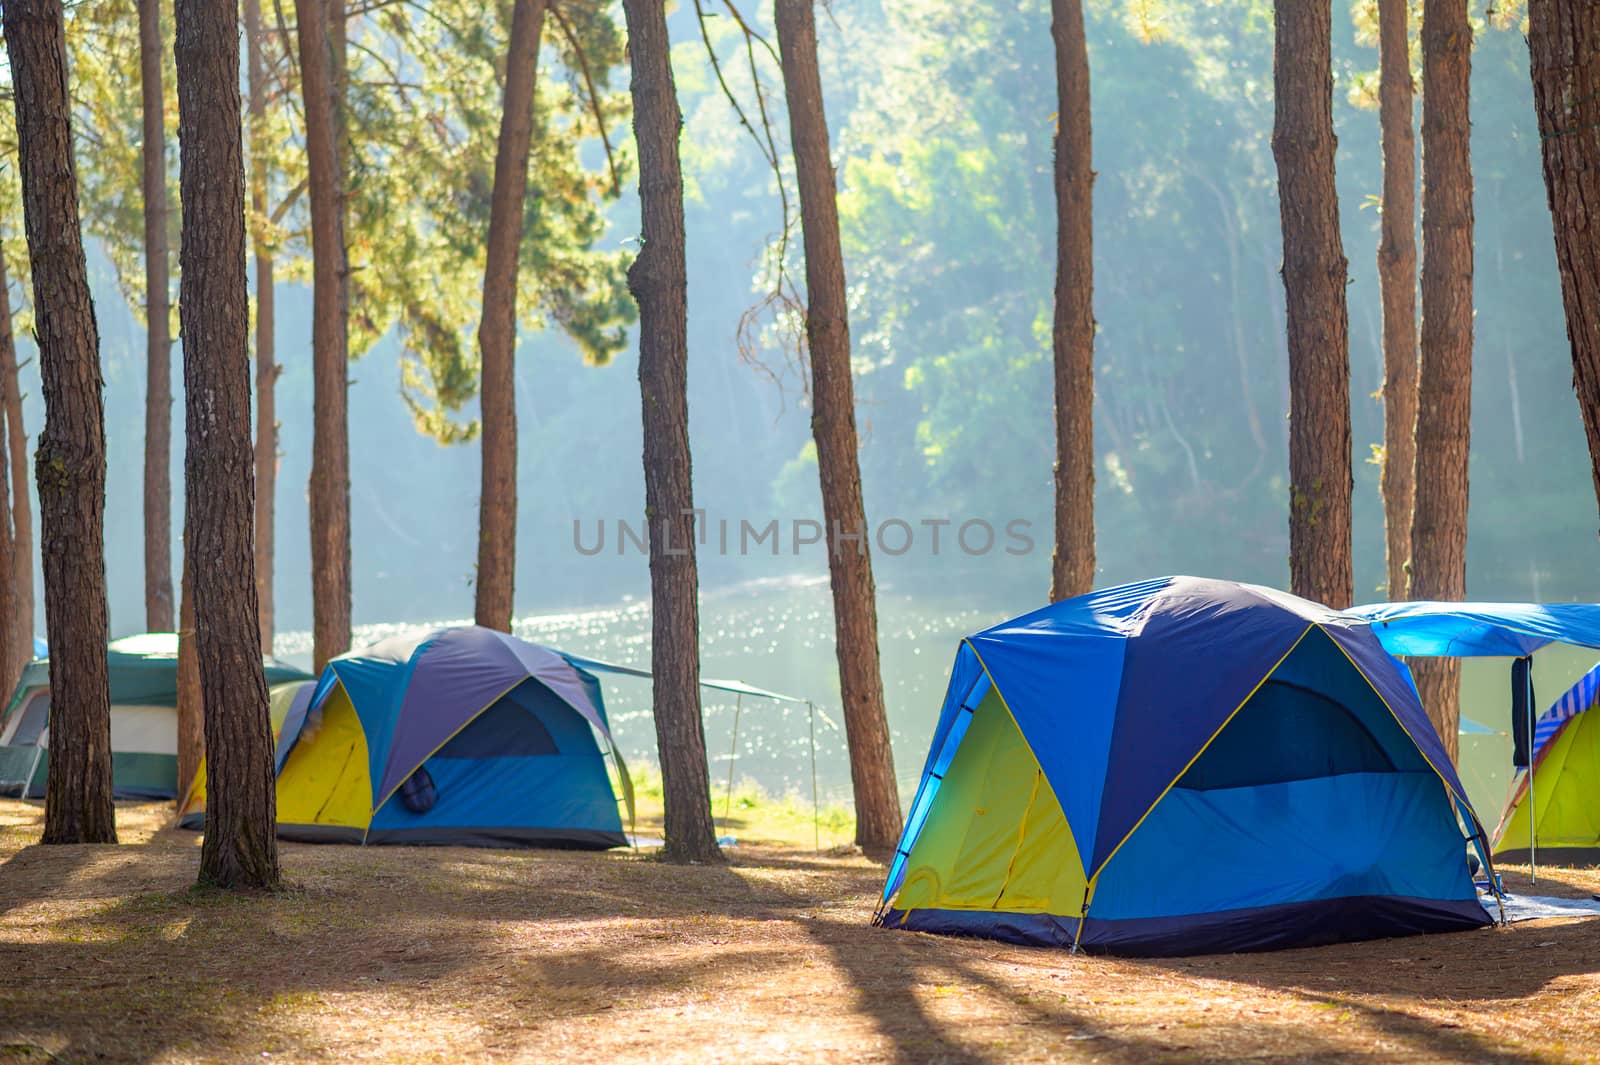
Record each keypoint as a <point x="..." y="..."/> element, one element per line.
<point x="462" y="736"/>
<point x="1183" y="766"/>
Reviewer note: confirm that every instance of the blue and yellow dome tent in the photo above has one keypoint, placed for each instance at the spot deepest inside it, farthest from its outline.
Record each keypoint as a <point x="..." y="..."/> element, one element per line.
<point x="1183" y="766"/>
<point x="464" y="736"/>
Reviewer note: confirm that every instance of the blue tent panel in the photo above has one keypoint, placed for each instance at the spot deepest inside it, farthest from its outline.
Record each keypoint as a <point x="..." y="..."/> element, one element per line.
<point x="1362" y="834"/>
<point x="1194" y="664"/>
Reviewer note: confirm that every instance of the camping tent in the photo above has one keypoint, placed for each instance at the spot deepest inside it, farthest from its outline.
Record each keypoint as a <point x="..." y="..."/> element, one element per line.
<point x="1183" y="766"/>
<point x="461" y="736"/>
<point x="1566" y="772"/>
<point x="144" y="720"/>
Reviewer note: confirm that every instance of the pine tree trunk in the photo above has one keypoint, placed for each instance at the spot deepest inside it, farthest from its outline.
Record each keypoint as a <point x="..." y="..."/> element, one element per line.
<point x="241" y="845"/>
<point x="21" y="505"/>
<point x="11" y="619"/>
<point x="658" y="280"/>
<point x="497" y="331"/>
<point x="330" y="346"/>
<point x="1397" y="281"/>
<point x="267" y="368"/>
<point x="71" y="461"/>
<point x="158" y="613"/>
<point x="1444" y="389"/>
<point x="833" y="427"/>
<point x="10" y="664"/>
<point x="1564" y="51"/>
<point x="1072" y="569"/>
<point x="1314" y="274"/>
<point x="191" y="709"/>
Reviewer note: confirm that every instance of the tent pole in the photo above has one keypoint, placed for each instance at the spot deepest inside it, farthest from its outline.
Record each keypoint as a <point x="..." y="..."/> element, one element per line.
<point x="33" y="767"/>
<point x="816" y="810"/>
<point x="733" y="754"/>
<point x="1533" y="810"/>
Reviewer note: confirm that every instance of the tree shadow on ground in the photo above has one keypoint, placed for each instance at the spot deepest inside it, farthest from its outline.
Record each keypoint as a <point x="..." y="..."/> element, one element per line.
<point x="131" y="963"/>
<point x="124" y="962"/>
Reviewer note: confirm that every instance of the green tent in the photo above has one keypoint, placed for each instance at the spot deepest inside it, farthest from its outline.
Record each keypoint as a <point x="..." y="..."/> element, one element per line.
<point x="144" y="720"/>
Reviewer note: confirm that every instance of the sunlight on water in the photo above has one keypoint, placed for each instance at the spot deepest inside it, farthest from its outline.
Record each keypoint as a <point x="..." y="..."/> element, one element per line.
<point x="778" y="634"/>
<point x="775" y="634"/>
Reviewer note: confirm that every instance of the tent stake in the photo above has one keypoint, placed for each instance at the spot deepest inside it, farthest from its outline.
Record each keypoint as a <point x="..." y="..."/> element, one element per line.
<point x="733" y="755"/>
<point x="816" y="810"/>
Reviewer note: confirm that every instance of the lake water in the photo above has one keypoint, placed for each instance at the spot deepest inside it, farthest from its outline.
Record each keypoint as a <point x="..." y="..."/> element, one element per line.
<point x="778" y="634"/>
<point x="774" y="634"/>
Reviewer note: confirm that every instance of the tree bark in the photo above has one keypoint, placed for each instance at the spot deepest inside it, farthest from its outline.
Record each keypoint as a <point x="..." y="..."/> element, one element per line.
<point x="267" y="368"/>
<point x="658" y="280"/>
<point x="1397" y="282"/>
<point x="1072" y="337"/>
<point x="1564" y="56"/>
<point x="1314" y="275"/>
<point x="191" y="700"/>
<point x="10" y="664"/>
<point x="241" y="845"/>
<point x="21" y="505"/>
<point x="70" y="465"/>
<point x="12" y="561"/>
<point x="833" y="427"/>
<point x="330" y="346"/>
<point x="1444" y="389"/>
<point x="497" y="331"/>
<point x="158" y="613"/>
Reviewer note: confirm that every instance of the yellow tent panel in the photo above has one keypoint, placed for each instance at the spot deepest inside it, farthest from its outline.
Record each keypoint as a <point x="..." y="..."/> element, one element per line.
<point x="996" y="838"/>
<point x="326" y="782"/>
<point x="1566" y="800"/>
<point x="279" y="699"/>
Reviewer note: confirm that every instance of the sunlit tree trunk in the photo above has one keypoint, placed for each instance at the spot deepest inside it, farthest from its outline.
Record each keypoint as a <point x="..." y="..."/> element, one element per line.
<point x="658" y="280"/>
<point x="497" y="330"/>
<point x="1397" y="281"/>
<point x="330" y="345"/>
<point x="1564" y="50"/>
<point x="70" y="463"/>
<point x="1072" y="569"/>
<point x="191" y="710"/>
<point x="833" y="426"/>
<point x="10" y="663"/>
<point x="21" y="506"/>
<point x="1444" y="388"/>
<point x="267" y="368"/>
<point x="241" y="846"/>
<point x="158" y="612"/>
<point x="1314" y="274"/>
<point x="13" y="623"/>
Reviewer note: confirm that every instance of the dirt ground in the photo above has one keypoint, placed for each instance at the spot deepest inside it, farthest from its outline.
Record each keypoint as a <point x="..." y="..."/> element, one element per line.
<point x="400" y="954"/>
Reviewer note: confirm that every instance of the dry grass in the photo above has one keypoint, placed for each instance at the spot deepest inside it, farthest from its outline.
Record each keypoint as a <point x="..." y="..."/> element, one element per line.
<point x="397" y="954"/>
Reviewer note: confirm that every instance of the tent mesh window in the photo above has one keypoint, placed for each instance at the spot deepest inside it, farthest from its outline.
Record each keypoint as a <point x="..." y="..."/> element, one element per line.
<point x="505" y="730"/>
<point x="1316" y="716"/>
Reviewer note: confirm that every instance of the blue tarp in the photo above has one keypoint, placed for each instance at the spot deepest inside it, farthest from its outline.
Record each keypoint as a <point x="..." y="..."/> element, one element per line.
<point x="1477" y="630"/>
